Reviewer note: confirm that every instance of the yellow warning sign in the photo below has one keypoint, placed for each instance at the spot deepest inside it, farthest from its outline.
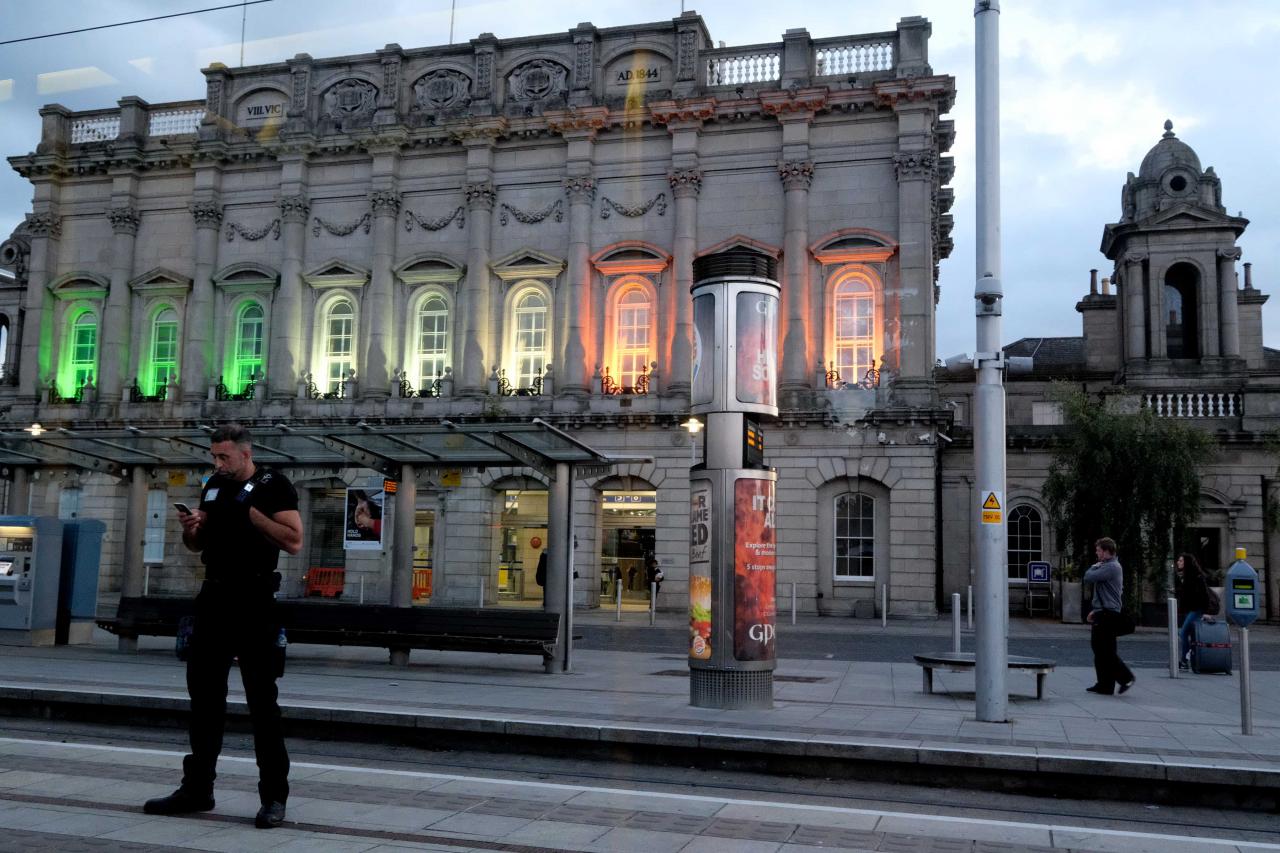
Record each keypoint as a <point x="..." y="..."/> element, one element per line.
<point x="992" y="512"/>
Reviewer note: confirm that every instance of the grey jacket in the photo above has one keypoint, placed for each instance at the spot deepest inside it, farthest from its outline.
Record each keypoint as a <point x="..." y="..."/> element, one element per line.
<point x="1108" y="584"/>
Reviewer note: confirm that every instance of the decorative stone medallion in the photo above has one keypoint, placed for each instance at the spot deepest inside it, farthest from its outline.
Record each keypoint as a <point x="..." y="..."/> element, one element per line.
<point x="537" y="81"/>
<point x="350" y="101"/>
<point x="441" y="90"/>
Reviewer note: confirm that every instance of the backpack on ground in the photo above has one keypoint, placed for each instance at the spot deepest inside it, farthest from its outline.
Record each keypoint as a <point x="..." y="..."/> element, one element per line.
<point x="1213" y="604"/>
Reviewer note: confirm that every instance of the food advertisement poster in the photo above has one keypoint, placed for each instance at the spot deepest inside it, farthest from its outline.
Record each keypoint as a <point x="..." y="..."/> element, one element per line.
<point x="757" y="348"/>
<point x="754" y="566"/>
<point x="704" y="343"/>
<point x="700" y="570"/>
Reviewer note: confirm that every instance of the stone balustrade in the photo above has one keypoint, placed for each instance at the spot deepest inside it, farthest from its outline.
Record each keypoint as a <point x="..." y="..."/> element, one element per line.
<point x="1195" y="404"/>
<point x="847" y="56"/>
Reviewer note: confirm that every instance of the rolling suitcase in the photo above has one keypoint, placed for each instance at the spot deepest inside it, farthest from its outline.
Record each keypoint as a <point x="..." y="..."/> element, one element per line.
<point x="1210" y="647"/>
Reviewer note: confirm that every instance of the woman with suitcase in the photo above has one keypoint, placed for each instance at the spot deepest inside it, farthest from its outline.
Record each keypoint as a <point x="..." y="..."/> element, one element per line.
<point x="1192" y="591"/>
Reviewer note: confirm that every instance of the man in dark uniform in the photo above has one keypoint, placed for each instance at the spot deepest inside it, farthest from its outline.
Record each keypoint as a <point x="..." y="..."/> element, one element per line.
<point x="248" y="514"/>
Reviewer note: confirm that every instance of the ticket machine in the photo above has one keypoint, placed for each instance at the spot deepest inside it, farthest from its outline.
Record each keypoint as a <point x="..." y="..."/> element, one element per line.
<point x="30" y="563"/>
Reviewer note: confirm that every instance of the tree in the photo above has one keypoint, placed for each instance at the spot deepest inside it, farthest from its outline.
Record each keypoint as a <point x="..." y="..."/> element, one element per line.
<point x="1131" y="476"/>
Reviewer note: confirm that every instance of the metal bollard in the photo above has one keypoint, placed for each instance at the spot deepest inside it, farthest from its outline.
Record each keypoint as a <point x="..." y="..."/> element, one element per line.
<point x="884" y="605"/>
<point x="955" y="622"/>
<point x="146" y="580"/>
<point x="362" y="590"/>
<point x="1246" y="704"/>
<point x="1175" y="646"/>
<point x="653" y="601"/>
<point x="617" y="616"/>
<point x="970" y="611"/>
<point x="793" y="602"/>
<point x="481" y="604"/>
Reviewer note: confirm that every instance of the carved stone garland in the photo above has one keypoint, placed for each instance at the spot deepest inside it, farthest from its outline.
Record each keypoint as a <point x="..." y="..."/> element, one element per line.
<point x="411" y="219"/>
<point x="235" y="228"/>
<point x="556" y="209"/>
<point x="340" y="230"/>
<point x="633" y="210"/>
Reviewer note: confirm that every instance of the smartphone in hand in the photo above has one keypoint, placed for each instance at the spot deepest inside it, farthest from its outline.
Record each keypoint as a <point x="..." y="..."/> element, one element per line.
<point x="182" y="508"/>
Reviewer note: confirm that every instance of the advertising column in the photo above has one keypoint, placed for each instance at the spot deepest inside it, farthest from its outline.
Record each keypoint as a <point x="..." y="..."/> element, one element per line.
<point x="732" y="536"/>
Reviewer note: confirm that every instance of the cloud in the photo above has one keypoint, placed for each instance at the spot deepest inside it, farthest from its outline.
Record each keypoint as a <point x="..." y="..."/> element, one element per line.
<point x="89" y="77"/>
<point x="6" y="89"/>
<point x="145" y="65"/>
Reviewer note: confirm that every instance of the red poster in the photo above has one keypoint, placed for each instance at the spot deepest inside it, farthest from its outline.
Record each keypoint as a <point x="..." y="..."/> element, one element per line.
<point x="754" y="565"/>
<point x="757" y="321"/>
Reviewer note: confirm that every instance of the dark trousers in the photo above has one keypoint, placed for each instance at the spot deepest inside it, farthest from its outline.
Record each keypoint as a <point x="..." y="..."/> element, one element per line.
<point x="1110" y="670"/>
<point x="223" y="634"/>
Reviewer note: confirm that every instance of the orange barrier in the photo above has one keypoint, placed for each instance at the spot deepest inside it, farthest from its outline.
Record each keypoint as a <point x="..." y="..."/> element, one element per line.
<point x="325" y="583"/>
<point x="421" y="583"/>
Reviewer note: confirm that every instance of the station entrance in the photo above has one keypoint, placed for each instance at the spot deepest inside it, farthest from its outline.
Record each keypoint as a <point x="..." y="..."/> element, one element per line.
<point x="628" y="528"/>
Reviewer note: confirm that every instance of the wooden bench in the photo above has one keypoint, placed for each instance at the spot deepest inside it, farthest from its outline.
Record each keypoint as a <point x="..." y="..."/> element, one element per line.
<point x="464" y="629"/>
<point x="964" y="661"/>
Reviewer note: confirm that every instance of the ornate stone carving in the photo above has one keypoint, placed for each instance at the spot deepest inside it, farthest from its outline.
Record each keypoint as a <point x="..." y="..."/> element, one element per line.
<point x="669" y="112"/>
<point x="124" y="220"/>
<point x="207" y="214"/>
<point x="556" y="209"/>
<point x="685" y="182"/>
<point x="235" y="229"/>
<point x="390" y="82"/>
<point x="481" y="196"/>
<point x="633" y="210"/>
<point x="301" y="83"/>
<point x="1233" y="254"/>
<point x="385" y="203"/>
<point x="350" y="102"/>
<point x="796" y="174"/>
<point x="411" y="219"/>
<point x="583" y="56"/>
<point x="914" y="165"/>
<point x="44" y="225"/>
<point x="213" y="96"/>
<point x="537" y="81"/>
<point x="1135" y="257"/>
<point x="441" y="89"/>
<point x="340" y="230"/>
<point x="580" y="189"/>
<point x="294" y="208"/>
<point x="484" y="74"/>
<point x="687" y="49"/>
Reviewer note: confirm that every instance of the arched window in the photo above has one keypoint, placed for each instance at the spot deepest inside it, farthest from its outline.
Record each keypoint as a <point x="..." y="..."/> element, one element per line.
<point x="530" y="346"/>
<point x="248" y="351"/>
<point x="1180" y="330"/>
<point x="855" y="536"/>
<point x="4" y="345"/>
<point x="433" y="339"/>
<point x="82" y="352"/>
<point x="1025" y="540"/>
<point x="854" y="333"/>
<point x="339" y="344"/>
<point x="632" y="323"/>
<point x="162" y="361"/>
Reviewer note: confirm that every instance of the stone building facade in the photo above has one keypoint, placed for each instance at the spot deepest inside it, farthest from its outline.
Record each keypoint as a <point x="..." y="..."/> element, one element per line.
<point x="502" y="230"/>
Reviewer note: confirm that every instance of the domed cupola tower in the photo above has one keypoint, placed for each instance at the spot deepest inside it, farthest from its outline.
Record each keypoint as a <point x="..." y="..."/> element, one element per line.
<point x="1175" y="254"/>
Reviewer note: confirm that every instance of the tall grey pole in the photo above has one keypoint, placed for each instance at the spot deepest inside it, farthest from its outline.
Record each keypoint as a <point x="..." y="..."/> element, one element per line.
<point x="991" y="633"/>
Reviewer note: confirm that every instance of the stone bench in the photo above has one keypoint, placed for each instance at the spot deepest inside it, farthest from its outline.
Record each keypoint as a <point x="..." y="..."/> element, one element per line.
<point x="964" y="661"/>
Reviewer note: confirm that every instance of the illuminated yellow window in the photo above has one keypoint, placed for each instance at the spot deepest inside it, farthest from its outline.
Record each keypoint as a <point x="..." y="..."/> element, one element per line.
<point x="632" y="323"/>
<point x="854" y="329"/>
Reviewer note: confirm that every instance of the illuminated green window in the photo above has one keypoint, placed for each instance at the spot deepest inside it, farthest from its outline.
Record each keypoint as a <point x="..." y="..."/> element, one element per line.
<point x="82" y="363"/>
<point x="339" y="344"/>
<point x="433" y="339"/>
<point x="164" y="350"/>
<point x="248" y="354"/>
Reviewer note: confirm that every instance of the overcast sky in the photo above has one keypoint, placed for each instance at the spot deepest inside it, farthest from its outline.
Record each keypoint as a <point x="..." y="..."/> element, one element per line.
<point x="1086" y="86"/>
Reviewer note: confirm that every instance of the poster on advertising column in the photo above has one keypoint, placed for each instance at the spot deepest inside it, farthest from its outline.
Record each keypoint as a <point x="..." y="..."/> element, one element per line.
<point x="702" y="391"/>
<point x="757" y="341"/>
<point x="700" y="570"/>
<point x="363" y="528"/>
<point x="754" y="569"/>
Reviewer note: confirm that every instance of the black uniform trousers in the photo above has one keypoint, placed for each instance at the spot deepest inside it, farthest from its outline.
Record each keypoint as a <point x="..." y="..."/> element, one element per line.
<point x="1107" y="666"/>
<point x="234" y="623"/>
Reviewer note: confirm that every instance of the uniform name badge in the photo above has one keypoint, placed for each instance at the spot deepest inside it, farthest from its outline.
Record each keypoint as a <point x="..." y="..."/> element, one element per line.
<point x="212" y="494"/>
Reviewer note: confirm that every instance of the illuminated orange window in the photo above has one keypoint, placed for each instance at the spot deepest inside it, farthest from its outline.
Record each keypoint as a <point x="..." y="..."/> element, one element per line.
<point x="855" y="336"/>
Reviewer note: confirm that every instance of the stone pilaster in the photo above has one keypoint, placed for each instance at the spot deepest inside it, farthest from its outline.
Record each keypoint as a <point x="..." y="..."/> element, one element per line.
<point x="574" y="371"/>
<point x="1135" y="306"/>
<point x="285" y="360"/>
<point x="797" y="176"/>
<point x="916" y="174"/>
<point x="1229" y="310"/>
<point x="477" y="318"/>
<point x="198" y="370"/>
<point x="378" y="318"/>
<point x="1157" y="348"/>
<point x="117" y="333"/>
<point x="686" y="185"/>
<point x="45" y="229"/>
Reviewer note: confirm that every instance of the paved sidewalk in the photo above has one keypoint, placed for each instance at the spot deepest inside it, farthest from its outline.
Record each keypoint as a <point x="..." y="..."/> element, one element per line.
<point x="1163" y="731"/>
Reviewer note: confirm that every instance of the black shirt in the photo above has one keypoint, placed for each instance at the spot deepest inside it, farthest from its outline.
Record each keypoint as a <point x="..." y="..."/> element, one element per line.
<point x="233" y="547"/>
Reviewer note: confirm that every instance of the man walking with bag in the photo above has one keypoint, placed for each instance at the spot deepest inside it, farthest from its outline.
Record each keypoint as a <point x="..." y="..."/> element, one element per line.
<point x="248" y="514"/>
<point x="1108" y="620"/>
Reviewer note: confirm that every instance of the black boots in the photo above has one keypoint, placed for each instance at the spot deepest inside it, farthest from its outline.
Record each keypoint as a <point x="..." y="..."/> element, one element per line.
<point x="181" y="801"/>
